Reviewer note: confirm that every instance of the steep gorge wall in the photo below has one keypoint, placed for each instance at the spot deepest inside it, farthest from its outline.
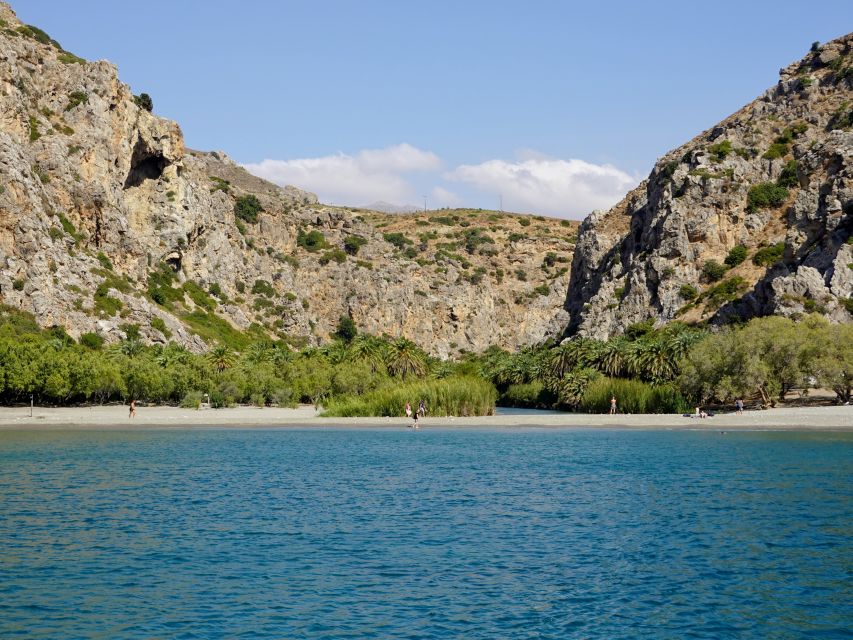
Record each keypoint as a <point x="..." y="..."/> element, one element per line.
<point x="646" y="258"/>
<point x="97" y="194"/>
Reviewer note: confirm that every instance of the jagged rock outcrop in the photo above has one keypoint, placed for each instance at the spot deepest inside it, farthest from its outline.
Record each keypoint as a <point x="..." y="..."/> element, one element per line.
<point x="775" y="178"/>
<point x="106" y="220"/>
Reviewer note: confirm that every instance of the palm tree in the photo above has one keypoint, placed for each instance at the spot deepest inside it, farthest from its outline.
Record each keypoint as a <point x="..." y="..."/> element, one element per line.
<point x="564" y="358"/>
<point x="172" y="354"/>
<point x="572" y="388"/>
<point x="495" y="366"/>
<point x="335" y="351"/>
<point x="130" y="348"/>
<point x="368" y="348"/>
<point x="281" y="354"/>
<point x="655" y="362"/>
<point x="679" y="339"/>
<point x="220" y="358"/>
<point x="612" y="356"/>
<point x="405" y="358"/>
<point x="573" y="353"/>
<point x="259" y="353"/>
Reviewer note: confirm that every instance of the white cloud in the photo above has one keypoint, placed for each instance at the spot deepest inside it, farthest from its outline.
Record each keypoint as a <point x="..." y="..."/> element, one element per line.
<point x="401" y="174"/>
<point x="372" y="174"/>
<point x="568" y="188"/>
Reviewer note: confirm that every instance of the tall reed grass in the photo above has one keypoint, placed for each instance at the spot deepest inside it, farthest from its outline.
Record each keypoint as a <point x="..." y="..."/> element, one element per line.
<point x="454" y="396"/>
<point x="632" y="396"/>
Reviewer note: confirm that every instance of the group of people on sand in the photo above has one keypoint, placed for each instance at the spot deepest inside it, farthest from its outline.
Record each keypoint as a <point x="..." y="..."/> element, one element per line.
<point x="420" y="413"/>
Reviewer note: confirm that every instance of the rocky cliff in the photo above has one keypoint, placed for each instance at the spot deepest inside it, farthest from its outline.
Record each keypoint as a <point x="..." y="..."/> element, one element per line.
<point x="752" y="217"/>
<point x="107" y="221"/>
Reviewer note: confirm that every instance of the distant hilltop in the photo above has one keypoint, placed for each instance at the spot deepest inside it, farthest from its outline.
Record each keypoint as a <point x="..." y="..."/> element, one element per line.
<point x="387" y="207"/>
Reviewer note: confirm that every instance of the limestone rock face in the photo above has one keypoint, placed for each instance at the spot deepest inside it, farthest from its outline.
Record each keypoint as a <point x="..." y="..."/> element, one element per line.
<point x="646" y="257"/>
<point x="98" y="196"/>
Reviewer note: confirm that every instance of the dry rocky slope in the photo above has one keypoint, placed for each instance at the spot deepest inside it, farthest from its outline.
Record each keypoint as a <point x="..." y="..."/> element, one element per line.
<point x="775" y="178"/>
<point x="106" y="220"/>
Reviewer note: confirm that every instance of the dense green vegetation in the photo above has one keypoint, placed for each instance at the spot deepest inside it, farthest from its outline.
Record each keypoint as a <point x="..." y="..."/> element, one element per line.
<point x="666" y="369"/>
<point x="247" y="208"/>
<point x="713" y="270"/>
<point x="456" y="396"/>
<point x="571" y="376"/>
<point x="769" y="356"/>
<point x="765" y="195"/>
<point x="312" y="241"/>
<point x="736" y="255"/>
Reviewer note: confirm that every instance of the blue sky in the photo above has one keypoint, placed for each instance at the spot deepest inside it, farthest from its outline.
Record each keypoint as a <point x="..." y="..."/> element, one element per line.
<point x="560" y="107"/>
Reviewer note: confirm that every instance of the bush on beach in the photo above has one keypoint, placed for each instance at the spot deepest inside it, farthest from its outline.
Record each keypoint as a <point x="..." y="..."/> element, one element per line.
<point x="455" y="396"/>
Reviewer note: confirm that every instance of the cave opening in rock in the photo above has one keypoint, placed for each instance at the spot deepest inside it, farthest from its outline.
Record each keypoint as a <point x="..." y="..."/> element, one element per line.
<point x="173" y="261"/>
<point x="145" y="164"/>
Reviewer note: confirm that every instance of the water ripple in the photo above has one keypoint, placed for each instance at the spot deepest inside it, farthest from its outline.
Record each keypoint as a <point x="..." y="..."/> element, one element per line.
<point x="438" y="534"/>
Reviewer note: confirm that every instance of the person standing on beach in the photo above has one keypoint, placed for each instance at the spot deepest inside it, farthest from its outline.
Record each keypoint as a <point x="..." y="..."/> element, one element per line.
<point x="612" y="405"/>
<point x="739" y="406"/>
<point x="408" y="410"/>
<point x="422" y="408"/>
<point x="132" y="412"/>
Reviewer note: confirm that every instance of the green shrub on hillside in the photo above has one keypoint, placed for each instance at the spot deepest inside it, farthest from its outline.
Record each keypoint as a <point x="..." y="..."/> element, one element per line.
<point x="788" y="177"/>
<point x="668" y="169"/>
<point x="144" y="101"/>
<point x="765" y="195"/>
<point x="37" y="34"/>
<point x="353" y="243"/>
<point x="199" y="296"/>
<point x="247" y="208"/>
<point x="713" y="270"/>
<point x="688" y="292"/>
<point x="263" y="288"/>
<point x="75" y="99"/>
<point x="725" y="291"/>
<point x="35" y="134"/>
<point x="720" y="150"/>
<point x="776" y="150"/>
<point x="160" y="325"/>
<point x="105" y="304"/>
<point x="312" y="241"/>
<point x="104" y="260"/>
<point x="335" y="255"/>
<point x="767" y="256"/>
<point x="736" y="255"/>
<point x="346" y="329"/>
<point x="397" y="239"/>
<point x="160" y="288"/>
<point x="219" y="184"/>
<point x="69" y="58"/>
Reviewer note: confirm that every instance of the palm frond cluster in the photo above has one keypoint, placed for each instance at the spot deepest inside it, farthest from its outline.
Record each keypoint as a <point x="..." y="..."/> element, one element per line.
<point x="559" y="375"/>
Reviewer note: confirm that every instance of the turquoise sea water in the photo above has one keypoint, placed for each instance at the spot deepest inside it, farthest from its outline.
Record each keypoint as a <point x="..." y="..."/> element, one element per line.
<point x="431" y="534"/>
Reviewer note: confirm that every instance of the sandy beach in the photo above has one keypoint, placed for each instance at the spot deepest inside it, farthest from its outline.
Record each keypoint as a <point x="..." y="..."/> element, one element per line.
<point x="116" y="417"/>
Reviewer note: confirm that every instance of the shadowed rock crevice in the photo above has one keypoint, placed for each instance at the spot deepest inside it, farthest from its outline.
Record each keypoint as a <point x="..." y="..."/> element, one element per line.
<point x="145" y="164"/>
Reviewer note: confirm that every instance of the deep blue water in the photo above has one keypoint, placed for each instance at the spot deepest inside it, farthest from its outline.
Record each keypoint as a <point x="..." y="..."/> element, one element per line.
<point x="431" y="534"/>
